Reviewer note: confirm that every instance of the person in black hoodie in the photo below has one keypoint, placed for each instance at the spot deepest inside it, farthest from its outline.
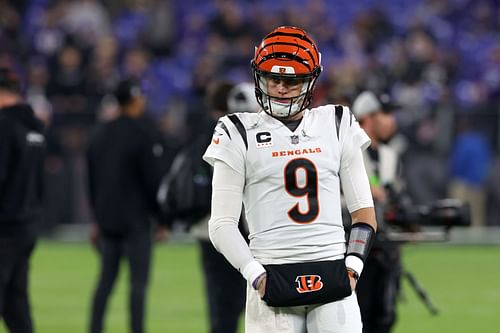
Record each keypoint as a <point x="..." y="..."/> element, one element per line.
<point x="22" y="149"/>
<point x="125" y="164"/>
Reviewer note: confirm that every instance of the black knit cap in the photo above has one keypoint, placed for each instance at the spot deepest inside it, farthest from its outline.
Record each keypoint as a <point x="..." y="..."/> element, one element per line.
<point x="127" y="90"/>
<point x="9" y="80"/>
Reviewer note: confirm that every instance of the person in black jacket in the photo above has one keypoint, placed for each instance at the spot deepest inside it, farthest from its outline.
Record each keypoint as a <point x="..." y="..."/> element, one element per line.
<point x="225" y="287"/>
<point x="378" y="287"/>
<point x="125" y="164"/>
<point x="22" y="148"/>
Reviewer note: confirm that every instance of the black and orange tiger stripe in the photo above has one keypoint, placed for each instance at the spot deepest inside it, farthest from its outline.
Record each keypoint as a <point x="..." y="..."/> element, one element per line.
<point x="290" y="47"/>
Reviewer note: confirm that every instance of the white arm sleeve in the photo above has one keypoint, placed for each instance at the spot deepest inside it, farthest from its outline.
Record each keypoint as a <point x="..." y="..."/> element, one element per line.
<point x="227" y="195"/>
<point x="355" y="183"/>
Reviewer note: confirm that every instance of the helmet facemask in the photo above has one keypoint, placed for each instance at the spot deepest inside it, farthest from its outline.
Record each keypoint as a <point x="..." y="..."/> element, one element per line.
<point x="284" y="107"/>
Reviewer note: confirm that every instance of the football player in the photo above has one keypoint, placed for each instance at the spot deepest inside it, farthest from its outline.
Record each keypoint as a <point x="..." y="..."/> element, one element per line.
<point x="287" y="164"/>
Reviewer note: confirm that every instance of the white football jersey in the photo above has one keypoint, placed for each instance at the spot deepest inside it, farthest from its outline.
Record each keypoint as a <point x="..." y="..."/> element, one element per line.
<point x="292" y="184"/>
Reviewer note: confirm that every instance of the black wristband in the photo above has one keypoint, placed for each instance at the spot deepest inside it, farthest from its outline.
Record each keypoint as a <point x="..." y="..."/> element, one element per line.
<point x="360" y="240"/>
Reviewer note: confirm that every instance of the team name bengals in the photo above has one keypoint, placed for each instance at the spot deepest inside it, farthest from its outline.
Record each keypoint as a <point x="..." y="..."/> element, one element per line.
<point x="295" y="152"/>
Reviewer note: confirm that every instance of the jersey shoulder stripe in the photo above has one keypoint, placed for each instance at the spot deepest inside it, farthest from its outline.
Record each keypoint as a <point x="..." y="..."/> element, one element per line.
<point x="341" y="117"/>
<point x="221" y="124"/>
<point x="344" y="119"/>
<point x="339" y="110"/>
<point x="239" y="126"/>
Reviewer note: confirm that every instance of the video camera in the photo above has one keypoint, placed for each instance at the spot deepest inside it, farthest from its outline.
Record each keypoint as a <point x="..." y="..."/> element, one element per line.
<point x="444" y="212"/>
<point x="406" y="221"/>
<point x="402" y="214"/>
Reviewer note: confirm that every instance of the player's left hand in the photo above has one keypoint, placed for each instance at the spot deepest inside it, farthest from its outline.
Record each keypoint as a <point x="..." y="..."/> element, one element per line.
<point x="353" y="282"/>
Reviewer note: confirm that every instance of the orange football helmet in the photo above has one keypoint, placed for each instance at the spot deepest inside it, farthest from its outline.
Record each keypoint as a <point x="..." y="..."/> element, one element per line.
<point x="288" y="54"/>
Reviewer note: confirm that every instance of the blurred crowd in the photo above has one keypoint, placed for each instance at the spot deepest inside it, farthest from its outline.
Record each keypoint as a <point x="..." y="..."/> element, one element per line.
<point x="438" y="59"/>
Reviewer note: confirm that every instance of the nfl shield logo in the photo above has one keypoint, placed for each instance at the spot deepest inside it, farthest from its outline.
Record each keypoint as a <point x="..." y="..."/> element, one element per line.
<point x="295" y="139"/>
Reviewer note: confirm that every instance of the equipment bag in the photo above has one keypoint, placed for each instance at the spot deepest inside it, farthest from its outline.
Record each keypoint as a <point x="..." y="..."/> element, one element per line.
<point x="186" y="190"/>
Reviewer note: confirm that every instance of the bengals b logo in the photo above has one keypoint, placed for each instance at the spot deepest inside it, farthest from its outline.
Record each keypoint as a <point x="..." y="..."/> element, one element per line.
<point x="308" y="283"/>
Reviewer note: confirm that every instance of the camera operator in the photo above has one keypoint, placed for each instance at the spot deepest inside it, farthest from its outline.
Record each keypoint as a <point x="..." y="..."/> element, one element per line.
<point x="378" y="286"/>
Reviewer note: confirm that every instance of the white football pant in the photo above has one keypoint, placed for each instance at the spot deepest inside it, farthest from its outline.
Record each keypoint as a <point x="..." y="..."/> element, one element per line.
<point x="338" y="317"/>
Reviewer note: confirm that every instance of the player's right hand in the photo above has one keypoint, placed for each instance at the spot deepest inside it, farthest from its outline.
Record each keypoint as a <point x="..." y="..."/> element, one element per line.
<point x="261" y="286"/>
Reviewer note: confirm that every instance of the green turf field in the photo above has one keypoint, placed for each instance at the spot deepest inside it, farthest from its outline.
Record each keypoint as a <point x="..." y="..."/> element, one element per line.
<point x="463" y="282"/>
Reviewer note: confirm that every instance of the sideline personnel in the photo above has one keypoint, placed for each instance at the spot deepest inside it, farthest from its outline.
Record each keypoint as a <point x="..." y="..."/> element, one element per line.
<point x="22" y="149"/>
<point x="378" y="287"/>
<point x="125" y="164"/>
<point x="226" y="288"/>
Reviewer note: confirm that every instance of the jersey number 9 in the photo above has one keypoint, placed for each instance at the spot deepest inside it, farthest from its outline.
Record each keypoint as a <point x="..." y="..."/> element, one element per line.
<point x="309" y="189"/>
